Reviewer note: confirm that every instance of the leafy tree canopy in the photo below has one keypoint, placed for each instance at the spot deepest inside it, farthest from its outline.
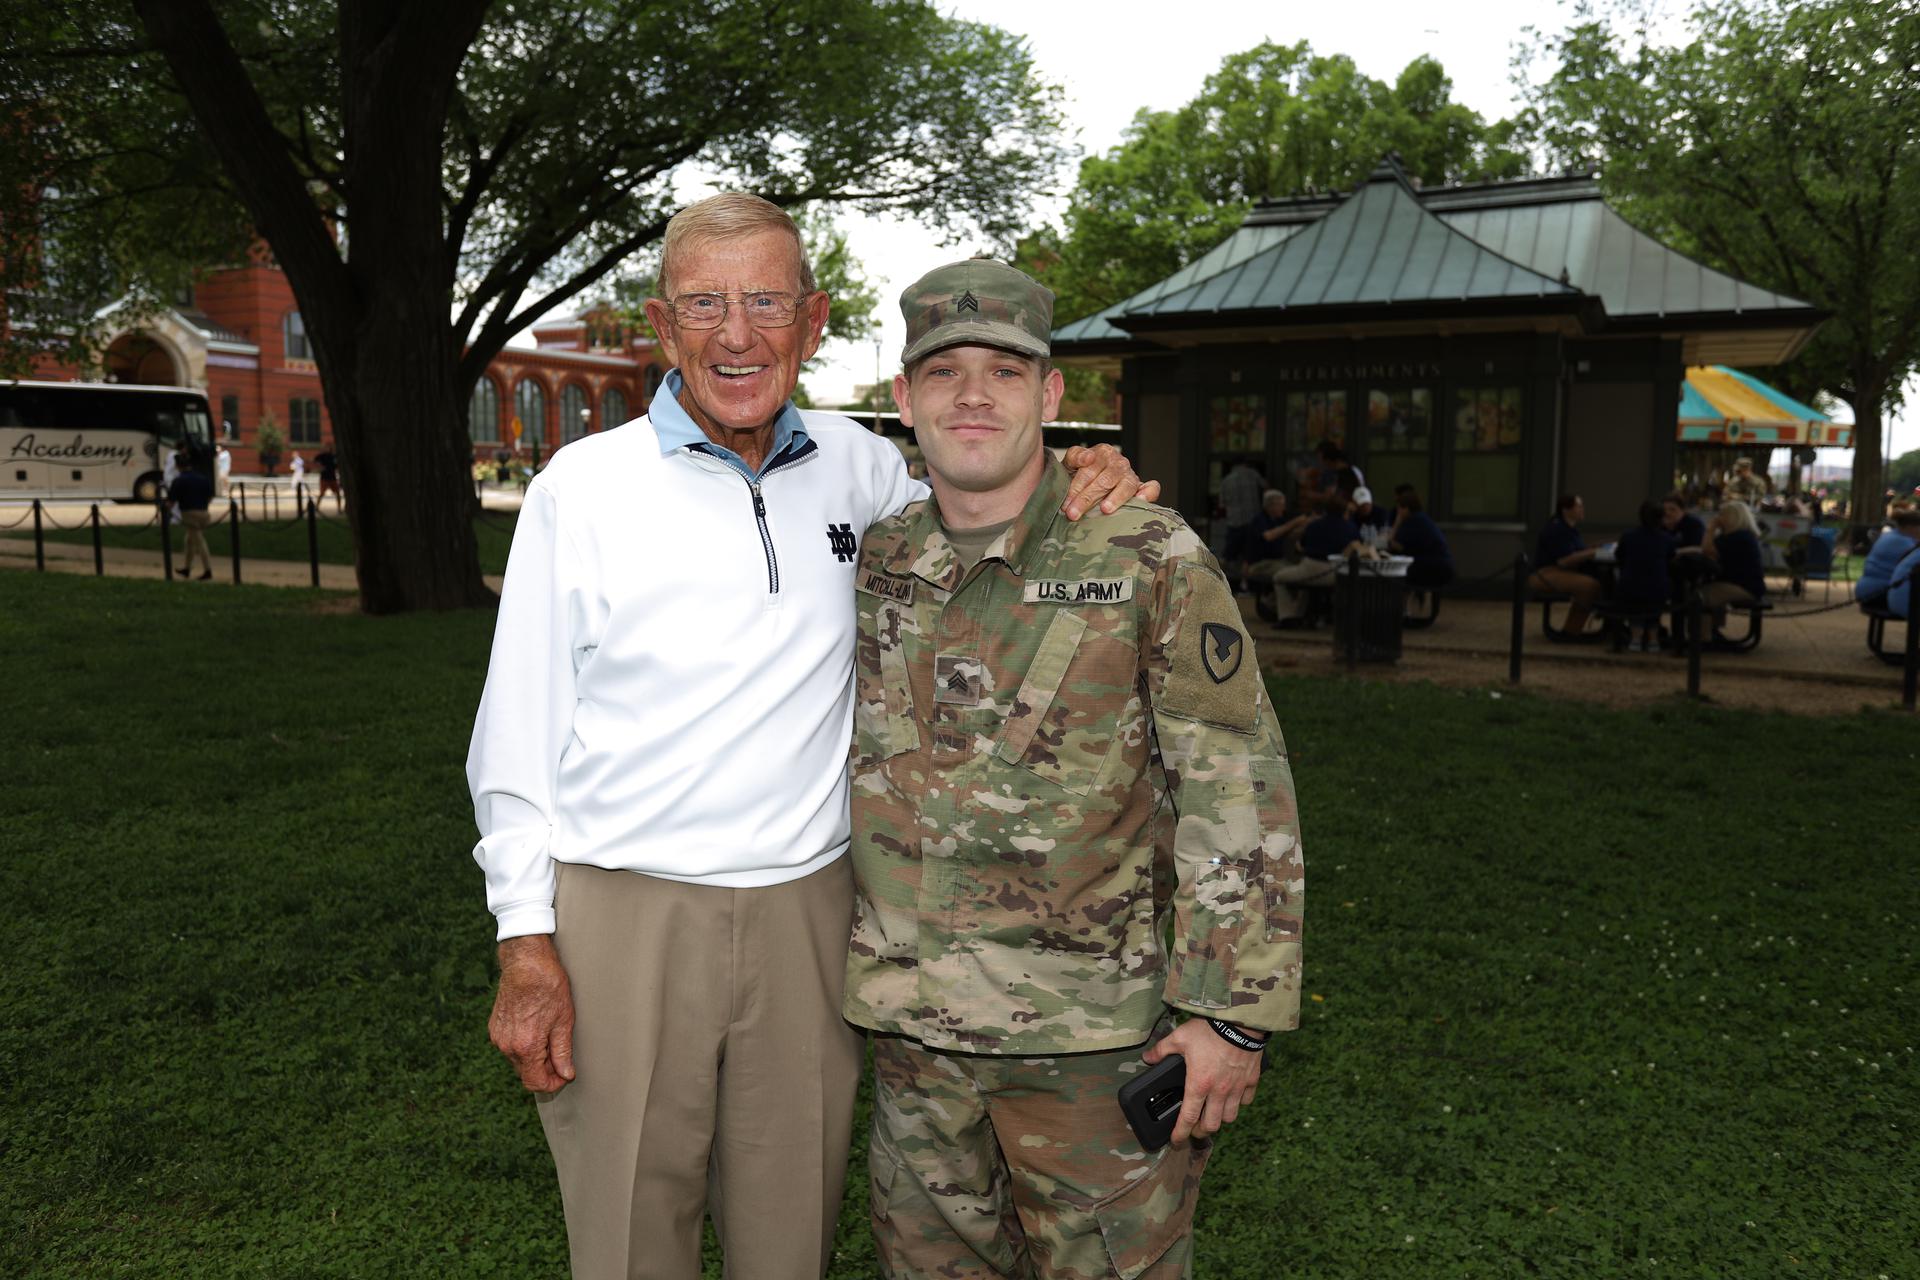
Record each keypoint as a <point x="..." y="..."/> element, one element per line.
<point x="435" y="178"/>
<point x="1782" y="145"/>
<point x="1275" y="120"/>
<point x="1904" y="475"/>
<point x="568" y="125"/>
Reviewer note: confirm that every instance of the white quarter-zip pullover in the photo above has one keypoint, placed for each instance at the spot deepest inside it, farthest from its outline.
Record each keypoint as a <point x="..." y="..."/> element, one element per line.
<point x="671" y="686"/>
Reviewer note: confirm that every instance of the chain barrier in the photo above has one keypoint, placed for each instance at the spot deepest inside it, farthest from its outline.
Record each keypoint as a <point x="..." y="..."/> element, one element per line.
<point x="1877" y="598"/>
<point x="25" y="516"/>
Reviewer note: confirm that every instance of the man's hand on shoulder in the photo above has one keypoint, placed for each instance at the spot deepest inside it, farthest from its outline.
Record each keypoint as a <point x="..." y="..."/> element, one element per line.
<point x="532" y="1019"/>
<point x="1102" y="474"/>
<point x="1220" y="1077"/>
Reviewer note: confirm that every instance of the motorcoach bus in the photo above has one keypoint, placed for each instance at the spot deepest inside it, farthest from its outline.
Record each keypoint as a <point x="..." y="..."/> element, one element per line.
<point x="98" y="440"/>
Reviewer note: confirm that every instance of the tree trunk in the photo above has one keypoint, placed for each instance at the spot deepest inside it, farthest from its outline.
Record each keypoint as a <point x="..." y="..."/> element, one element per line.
<point x="1869" y="503"/>
<point x="380" y="316"/>
<point x="406" y="468"/>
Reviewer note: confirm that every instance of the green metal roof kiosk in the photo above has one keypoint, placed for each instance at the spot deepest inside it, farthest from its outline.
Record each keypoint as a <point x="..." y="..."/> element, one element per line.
<point x="1493" y="344"/>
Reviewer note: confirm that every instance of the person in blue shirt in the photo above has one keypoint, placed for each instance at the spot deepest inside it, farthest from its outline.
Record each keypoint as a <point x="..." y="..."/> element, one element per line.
<point x="1683" y="527"/>
<point x="192" y="493"/>
<point x="1640" y="581"/>
<point x="1415" y="534"/>
<point x="1331" y="534"/>
<point x="1560" y="561"/>
<point x="1272" y="539"/>
<point x="1733" y="544"/>
<point x="1889" y="549"/>
<point x="1366" y="515"/>
<point x="1900" y="597"/>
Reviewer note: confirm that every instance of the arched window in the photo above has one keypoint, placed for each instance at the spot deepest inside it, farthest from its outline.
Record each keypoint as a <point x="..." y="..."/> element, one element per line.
<point x="655" y="375"/>
<point x="530" y="406"/>
<point x="574" y="414"/>
<point x="613" y="408"/>
<point x="293" y="335"/>
<point x="483" y="412"/>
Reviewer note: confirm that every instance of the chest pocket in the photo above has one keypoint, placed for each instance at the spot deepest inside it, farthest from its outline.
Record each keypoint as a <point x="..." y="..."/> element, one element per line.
<point x="1064" y="719"/>
<point x="883" y="722"/>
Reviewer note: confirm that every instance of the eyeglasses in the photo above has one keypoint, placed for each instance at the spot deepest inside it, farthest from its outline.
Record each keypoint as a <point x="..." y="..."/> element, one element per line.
<point x="709" y="310"/>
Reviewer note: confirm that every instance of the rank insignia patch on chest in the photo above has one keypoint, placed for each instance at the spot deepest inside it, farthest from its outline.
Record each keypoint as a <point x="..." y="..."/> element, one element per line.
<point x="957" y="680"/>
<point x="1221" y="648"/>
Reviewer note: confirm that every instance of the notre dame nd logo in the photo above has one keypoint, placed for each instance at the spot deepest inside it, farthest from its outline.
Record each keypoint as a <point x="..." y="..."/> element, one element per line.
<point x="841" y="541"/>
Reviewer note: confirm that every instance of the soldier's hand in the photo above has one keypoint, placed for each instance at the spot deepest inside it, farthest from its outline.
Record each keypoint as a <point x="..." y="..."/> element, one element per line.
<point x="532" y="1020"/>
<point x="1220" y="1078"/>
<point x="1102" y="474"/>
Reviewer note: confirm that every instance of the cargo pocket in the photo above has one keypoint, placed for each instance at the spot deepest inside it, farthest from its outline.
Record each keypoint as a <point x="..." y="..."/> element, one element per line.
<point x="1062" y="724"/>
<point x="882" y="1174"/>
<point x="883" y="721"/>
<point x="1152" y="1214"/>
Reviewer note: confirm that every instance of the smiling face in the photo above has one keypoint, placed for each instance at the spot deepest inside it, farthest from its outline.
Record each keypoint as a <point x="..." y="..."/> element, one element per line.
<point x="738" y="376"/>
<point x="976" y="412"/>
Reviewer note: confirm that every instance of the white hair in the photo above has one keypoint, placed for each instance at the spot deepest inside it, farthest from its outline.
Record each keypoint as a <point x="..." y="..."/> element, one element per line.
<point x="732" y="215"/>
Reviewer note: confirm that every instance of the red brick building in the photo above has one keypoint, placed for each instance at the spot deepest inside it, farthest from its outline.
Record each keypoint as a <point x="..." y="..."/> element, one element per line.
<point x="237" y="335"/>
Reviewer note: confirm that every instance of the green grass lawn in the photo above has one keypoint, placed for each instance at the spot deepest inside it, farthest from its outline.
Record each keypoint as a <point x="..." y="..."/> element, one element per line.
<point x="284" y="539"/>
<point x="1593" y="993"/>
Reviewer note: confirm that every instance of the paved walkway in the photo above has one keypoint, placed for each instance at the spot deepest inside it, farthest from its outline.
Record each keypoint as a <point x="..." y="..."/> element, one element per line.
<point x="130" y="562"/>
<point x="266" y="500"/>
<point x="1807" y="661"/>
<point x="1824" y="652"/>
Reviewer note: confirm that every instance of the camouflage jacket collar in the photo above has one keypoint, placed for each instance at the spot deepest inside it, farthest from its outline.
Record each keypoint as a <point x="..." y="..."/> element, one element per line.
<point x="924" y="551"/>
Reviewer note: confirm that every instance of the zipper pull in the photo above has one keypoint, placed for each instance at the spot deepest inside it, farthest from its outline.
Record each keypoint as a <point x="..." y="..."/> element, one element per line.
<point x="759" y="503"/>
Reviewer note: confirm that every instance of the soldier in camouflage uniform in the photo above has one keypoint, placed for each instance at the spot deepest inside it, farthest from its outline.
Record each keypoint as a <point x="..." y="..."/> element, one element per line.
<point x="1061" y="744"/>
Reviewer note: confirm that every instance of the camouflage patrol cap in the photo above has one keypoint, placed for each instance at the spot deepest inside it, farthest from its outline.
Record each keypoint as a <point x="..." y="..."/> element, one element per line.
<point x="981" y="300"/>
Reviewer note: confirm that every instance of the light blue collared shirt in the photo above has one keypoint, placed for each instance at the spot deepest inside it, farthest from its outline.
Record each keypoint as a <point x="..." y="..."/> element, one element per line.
<point x="677" y="430"/>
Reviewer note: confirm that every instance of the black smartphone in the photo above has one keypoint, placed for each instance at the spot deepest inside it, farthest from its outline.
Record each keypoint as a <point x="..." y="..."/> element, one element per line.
<point x="1151" y="1100"/>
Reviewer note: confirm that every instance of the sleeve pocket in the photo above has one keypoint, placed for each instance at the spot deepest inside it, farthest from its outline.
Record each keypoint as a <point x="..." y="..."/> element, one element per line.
<point x="883" y="720"/>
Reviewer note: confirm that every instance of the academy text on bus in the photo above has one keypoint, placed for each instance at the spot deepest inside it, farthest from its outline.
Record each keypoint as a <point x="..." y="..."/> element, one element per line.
<point x="98" y="440"/>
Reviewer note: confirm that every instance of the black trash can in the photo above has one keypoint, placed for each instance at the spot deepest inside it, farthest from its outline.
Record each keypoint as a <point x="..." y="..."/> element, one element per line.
<point x="1381" y="608"/>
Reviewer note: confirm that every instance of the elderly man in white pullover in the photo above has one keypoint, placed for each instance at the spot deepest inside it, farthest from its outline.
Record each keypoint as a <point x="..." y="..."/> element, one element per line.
<point x="658" y="775"/>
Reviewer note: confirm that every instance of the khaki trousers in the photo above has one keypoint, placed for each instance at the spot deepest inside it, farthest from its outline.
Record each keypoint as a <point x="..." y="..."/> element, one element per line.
<point x="195" y="523"/>
<point x="1584" y="589"/>
<point x="714" y="1073"/>
<point x="1290" y="584"/>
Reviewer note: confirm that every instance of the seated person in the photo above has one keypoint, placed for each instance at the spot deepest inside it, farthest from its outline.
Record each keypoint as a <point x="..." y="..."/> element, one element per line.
<point x="1415" y="534"/>
<point x="1365" y="514"/>
<point x="1640" y="581"/>
<point x="1733" y="544"/>
<point x="1330" y="535"/>
<point x="1888" y="550"/>
<point x="1900" y="598"/>
<point x="1686" y="529"/>
<point x="1561" y="558"/>
<point x="1273" y="539"/>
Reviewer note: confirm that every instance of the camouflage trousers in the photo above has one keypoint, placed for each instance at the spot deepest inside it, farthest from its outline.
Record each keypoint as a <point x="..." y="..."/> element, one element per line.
<point x="988" y="1166"/>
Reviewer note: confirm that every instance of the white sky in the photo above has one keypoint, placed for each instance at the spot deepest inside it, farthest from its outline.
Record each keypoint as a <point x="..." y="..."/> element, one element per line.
<point x="1114" y="58"/>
